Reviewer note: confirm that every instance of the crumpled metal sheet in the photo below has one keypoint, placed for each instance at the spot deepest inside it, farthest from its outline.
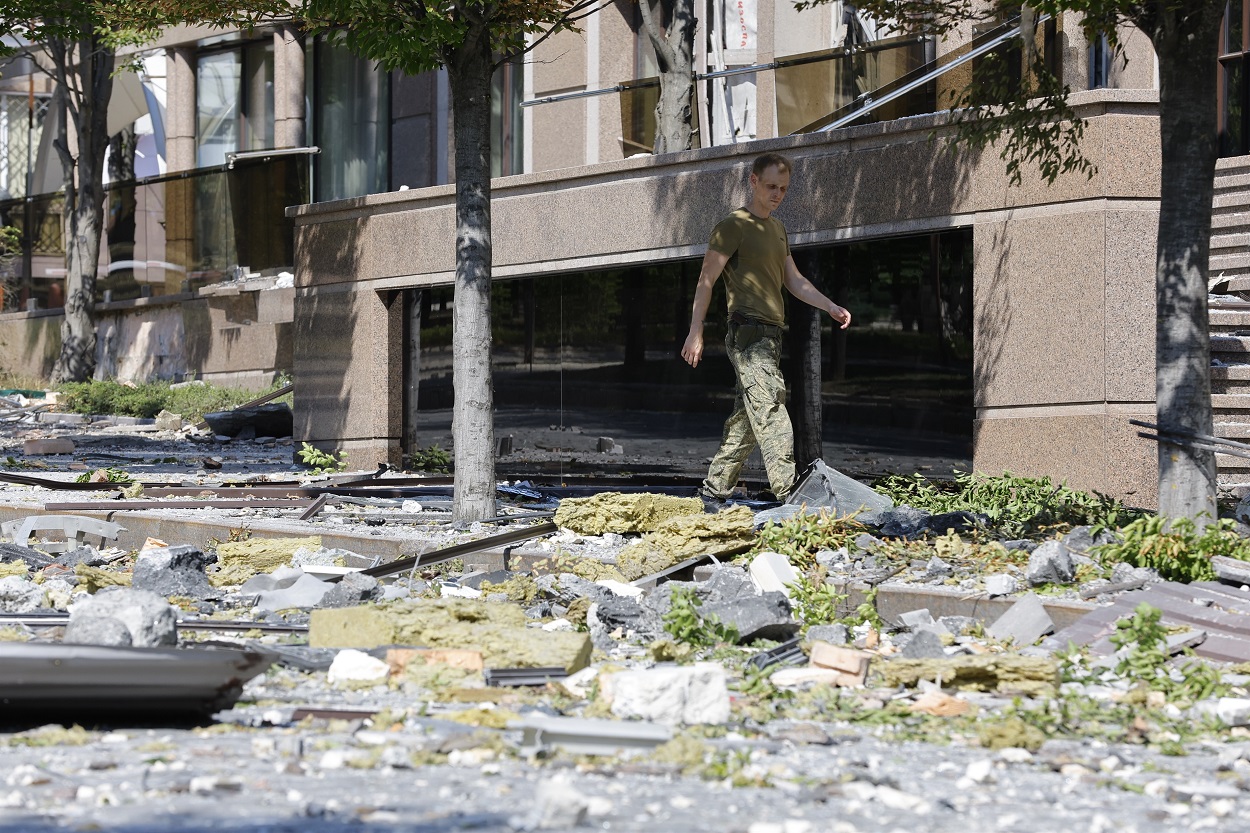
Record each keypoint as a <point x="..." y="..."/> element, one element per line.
<point x="84" y="680"/>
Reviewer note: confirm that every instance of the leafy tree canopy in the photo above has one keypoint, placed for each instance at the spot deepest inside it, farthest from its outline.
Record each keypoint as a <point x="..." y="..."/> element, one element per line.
<point x="414" y="36"/>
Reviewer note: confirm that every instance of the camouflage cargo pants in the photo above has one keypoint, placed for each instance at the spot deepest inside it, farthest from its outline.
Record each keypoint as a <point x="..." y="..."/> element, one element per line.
<point x="759" y="416"/>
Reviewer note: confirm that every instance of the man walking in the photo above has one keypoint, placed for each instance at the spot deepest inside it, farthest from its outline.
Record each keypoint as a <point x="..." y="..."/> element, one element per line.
<point x="751" y="250"/>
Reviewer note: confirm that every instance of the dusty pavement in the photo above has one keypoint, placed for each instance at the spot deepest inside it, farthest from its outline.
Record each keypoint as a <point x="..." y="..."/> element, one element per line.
<point x="895" y="719"/>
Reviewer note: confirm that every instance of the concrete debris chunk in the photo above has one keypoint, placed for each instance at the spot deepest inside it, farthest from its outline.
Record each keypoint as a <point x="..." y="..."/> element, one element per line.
<point x="938" y="569"/>
<point x="497" y="630"/>
<point x="173" y="571"/>
<point x="847" y="661"/>
<point x="726" y="582"/>
<point x="690" y="695"/>
<point x="813" y="676"/>
<point x="34" y="559"/>
<point x="19" y="595"/>
<point x="300" y="592"/>
<point x="940" y="704"/>
<point x="48" y="446"/>
<point x="1051" y="563"/>
<point x="823" y="486"/>
<point x="767" y="616"/>
<point x="148" y="620"/>
<point x="618" y="612"/>
<point x="620" y="588"/>
<point x="916" y="619"/>
<point x="1233" y="711"/>
<point x="1230" y="570"/>
<point x="558" y="805"/>
<point x="924" y="644"/>
<point x="328" y="557"/>
<point x="899" y="522"/>
<point x="90" y="556"/>
<point x="1001" y="584"/>
<point x="168" y="421"/>
<point x="1081" y="539"/>
<point x="1000" y="673"/>
<point x="352" y="589"/>
<point x="833" y="634"/>
<point x="1024" y="623"/>
<point x="678" y="539"/>
<point x="1123" y="573"/>
<point x="623" y="513"/>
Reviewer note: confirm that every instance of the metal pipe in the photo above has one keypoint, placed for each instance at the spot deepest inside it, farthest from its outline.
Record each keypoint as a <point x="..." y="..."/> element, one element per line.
<point x="872" y="104"/>
<point x="231" y="158"/>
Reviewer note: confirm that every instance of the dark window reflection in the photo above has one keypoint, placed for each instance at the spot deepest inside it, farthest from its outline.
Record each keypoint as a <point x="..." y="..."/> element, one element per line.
<point x="1233" y="122"/>
<point x="607" y="342"/>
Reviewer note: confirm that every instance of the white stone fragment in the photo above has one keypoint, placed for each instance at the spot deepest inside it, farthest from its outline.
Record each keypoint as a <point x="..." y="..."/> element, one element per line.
<point x="1015" y="755"/>
<point x="980" y="771"/>
<point x="558" y="805"/>
<point x="695" y="694"/>
<point x="578" y="683"/>
<point x="1233" y="711"/>
<point x="620" y="588"/>
<point x="773" y="572"/>
<point x="351" y="665"/>
<point x="19" y="595"/>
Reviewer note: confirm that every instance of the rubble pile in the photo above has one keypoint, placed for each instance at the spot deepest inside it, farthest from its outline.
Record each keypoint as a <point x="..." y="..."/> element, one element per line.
<point x="610" y="669"/>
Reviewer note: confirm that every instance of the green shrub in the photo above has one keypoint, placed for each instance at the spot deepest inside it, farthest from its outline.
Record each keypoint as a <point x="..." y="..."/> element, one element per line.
<point x="146" y="400"/>
<point x="434" y="458"/>
<point x="801" y="537"/>
<point x="1175" y="549"/>
<point x="684" y="623"/>
<point x="321" y="462"/>
<point x="1141" y="641"/>
<point x="1015" y="506"/>
<point x="114" y="398"/>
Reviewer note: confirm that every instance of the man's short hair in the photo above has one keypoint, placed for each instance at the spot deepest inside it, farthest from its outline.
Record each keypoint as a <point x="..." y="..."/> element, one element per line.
<point x="768" y="160"/>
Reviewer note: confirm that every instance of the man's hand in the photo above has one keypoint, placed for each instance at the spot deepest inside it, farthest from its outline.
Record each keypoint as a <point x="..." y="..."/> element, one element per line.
<point x="692" y="350"/>
<point x="840" y="314"/>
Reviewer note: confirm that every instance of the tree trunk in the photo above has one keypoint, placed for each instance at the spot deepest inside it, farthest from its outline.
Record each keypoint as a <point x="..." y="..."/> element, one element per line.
<point x="1185" y="42"/>
<point x="674" y="52"/>
<point x="87" y="111"/>
<point x="473" y="430"/>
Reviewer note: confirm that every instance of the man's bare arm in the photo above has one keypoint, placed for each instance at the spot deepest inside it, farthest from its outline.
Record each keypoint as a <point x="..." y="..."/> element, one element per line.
<point x="801" y="288"/>
<point x="713" y="264"/>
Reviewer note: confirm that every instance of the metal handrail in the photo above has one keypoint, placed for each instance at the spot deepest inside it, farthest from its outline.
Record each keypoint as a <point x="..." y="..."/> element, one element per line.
<point x="871" y="104"/>
<point x="781" y="63"/>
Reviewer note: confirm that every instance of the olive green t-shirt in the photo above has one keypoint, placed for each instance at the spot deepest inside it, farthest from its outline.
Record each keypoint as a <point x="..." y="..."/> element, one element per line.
<point x="757" y="250"/>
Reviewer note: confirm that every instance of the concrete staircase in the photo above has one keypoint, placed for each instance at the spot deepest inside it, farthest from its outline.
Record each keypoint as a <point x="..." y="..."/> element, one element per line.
<point x="1230" y="315"/>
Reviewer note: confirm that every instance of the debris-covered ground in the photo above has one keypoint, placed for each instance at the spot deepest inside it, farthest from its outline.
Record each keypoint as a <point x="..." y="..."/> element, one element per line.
<point x="981" y="653"/>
